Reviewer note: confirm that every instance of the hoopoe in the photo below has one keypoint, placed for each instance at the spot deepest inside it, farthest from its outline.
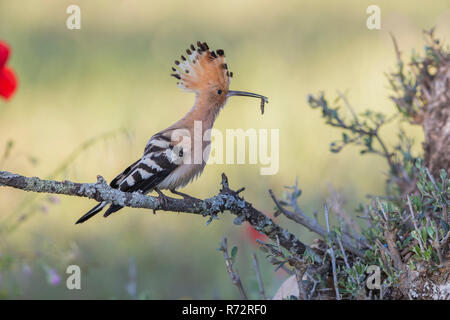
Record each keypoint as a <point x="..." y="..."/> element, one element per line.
<point x="169" y="161"/>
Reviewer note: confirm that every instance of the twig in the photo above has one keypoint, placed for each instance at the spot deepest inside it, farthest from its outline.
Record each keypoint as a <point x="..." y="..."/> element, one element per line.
<point x="300" y="217"/>
<point x="390" y="240"/>
<point x="383" y="252"/>
<point x="349" y="107"/>
<point x="301" y="288"/>
<point x="430" y="176"/>
<point x="373" y="133"/>
<point x="258" y="276"/>
<point x="344" y="255"/>
<point x="342" y="251"/>
<point x="287" y="270"/>
<point x="311" y="224"/>
<point x="336" y="203"/>
<point x="278" y="244"/>
<point x="234" y="275"/>
<point x="419" y="238"/>
<point x="226" y="200"/>
<point x="313" y="289"/>
<point x="445" y="239"/>
<point x="437" y="246"/>
<point x="444" y="213"/>
<point x="444" y="203"/>
<point x="333" y="258"/>
<point x="386" y="217"/>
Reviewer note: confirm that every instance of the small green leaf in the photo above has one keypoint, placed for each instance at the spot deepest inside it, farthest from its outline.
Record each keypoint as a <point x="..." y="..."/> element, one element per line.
<point x="234" y="252"/>
<point x="416" y="250"/>
<point x="430" y="231"/>
<point x="297" y="193"/>
<point x="443" y="175"/>
<point x="344" y="137"/>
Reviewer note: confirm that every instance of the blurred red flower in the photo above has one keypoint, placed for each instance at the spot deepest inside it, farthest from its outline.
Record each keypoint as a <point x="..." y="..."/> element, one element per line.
<point x="4" y="54"/>
<point x="8" y="80"/>
<point x="253" y="234"/>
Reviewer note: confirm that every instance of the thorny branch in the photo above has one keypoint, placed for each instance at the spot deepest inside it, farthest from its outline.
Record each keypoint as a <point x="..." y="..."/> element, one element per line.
<point x="313" y="225"/>
<point x="226" y="200"/>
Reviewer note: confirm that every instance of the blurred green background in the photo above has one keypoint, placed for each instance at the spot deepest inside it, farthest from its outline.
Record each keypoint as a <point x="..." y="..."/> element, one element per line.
<point x="113" y="76"/>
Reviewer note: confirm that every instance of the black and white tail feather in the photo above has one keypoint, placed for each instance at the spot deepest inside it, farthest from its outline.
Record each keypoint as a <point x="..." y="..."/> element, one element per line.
<point x="157" y="163"/>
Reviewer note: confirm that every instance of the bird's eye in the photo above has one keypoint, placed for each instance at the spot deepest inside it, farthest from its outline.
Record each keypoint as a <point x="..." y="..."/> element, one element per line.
<point x="180" y="154"/>
<point x="219" y="91"/>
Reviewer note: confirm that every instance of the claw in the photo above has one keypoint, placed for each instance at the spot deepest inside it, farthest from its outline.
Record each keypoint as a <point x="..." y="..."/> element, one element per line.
<point x="184" y="195"/>
<point x="162" y="198"/>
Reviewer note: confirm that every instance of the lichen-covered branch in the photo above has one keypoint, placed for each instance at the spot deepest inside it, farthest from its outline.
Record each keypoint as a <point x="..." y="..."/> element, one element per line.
<point x="225" y="200"/>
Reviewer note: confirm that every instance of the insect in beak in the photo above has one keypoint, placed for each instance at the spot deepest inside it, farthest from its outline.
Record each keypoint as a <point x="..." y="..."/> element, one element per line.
<point x="249" y="94"/>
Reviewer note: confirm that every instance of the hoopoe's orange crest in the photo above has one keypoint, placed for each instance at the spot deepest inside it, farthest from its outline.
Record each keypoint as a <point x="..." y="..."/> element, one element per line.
<point x="203" y="69"/>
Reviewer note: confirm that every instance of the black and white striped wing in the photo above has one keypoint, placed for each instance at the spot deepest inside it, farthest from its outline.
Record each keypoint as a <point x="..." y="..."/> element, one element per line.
<point x="143" y="175"/>
<point x="146" y="173"/>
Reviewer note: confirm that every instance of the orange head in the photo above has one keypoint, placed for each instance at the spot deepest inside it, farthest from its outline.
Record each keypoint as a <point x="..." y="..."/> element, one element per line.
<point x="205" y="73"/>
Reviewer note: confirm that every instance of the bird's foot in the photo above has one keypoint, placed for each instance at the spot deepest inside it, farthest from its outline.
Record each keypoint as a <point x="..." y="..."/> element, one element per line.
<point x="184" y="195"/>
<point x="162" y="198"/>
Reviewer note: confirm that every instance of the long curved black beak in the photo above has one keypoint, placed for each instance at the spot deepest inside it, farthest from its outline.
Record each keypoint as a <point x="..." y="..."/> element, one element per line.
<point x="264" y="99"/>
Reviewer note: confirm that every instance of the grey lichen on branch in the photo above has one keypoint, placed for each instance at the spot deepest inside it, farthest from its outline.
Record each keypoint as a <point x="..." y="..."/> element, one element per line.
<point x="226" y="200"/>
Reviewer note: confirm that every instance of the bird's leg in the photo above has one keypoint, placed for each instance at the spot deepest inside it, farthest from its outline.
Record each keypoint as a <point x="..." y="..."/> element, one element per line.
<point x="162" y="198"/>
<point x="184" y="195"/>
